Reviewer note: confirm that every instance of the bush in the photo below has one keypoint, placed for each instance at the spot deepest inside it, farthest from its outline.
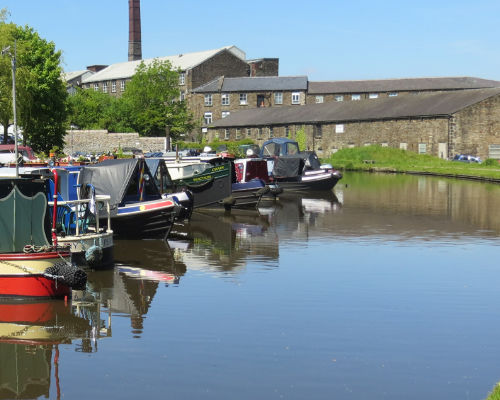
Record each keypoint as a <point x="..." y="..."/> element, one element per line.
<point x="491" y="162"/>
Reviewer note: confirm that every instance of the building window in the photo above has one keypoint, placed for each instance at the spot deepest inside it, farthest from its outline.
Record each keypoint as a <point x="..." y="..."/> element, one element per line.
<point x="259" y="133"/>
<point x="271" y="132"/>
<point x="224" y="99"/>
<point x="296" y="98"/>
<point x="367" y="144"/>
<point x="249" y="132"/>
<point x="226" y="134"/>
<point x="238" y="133"/>
<point x="217" y="134"/>
<point x="278" y="98"/>
<point x="385" y="144"/>
<point x="208" y="118"/>
<point x="182" y="78"/>
<point x="113" y="87"/>
<point x="183" y="95"/>
<point x="225" y="114"/>
<point x="339" y="97"/>
<point x="105" y="87"/>
<point x="422" y="148"/>
<point x="208" y="100"/>
<point x="287" y="131"/>
<point x="243" y="99"/>
<point x="318" y="131"/>
<point x="392" y="94"/>
<point x="403" y="146"/>
<point x="356" y="97"/>
<point x="319" y="99"/>
<point x="339" y="128"/>
<point x="122" y="85"/>
<point x="96" y="87"/>
<point x="373" y="96"/>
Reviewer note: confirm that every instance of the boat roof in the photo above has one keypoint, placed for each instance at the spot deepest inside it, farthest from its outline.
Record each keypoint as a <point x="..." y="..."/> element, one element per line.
<point x="111" y="177"/>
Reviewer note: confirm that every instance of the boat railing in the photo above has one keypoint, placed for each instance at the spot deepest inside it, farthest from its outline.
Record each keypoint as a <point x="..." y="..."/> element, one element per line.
<point x="81" y="207"/>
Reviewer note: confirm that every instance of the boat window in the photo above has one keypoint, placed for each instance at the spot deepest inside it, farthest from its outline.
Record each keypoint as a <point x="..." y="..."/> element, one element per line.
<point x="271" y="149"/>
<point x="292" y="148"/>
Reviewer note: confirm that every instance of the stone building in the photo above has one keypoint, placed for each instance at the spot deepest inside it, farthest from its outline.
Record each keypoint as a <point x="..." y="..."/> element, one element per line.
<point x="196" y="69"/>
<point x="441" y="123"/>
<point x="222" y="96"/>
<point x="325" y="91"/>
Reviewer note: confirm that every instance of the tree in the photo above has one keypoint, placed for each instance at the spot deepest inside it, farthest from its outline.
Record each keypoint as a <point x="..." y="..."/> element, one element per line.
<point x="40" y="92"/>
<point x="152" y="97"/>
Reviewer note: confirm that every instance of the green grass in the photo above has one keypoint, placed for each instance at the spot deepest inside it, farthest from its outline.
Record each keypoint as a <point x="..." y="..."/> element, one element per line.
<point x="378" y="158"/>
<point x="495" y="394"/>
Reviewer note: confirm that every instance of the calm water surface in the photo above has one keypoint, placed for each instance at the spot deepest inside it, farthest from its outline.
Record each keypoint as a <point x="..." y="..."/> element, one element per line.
<point x="386" y="289"/>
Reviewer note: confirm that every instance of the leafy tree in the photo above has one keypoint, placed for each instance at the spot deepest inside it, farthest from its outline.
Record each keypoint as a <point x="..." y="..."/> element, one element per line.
<point x="300" y="137"/>
<point x="152" y="97"/>
<point x="40" y="91"/>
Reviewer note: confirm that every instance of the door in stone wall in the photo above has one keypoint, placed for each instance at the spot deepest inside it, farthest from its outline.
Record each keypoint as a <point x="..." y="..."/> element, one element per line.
<point x="443" y="150"/>
<point x="260" y="100"/>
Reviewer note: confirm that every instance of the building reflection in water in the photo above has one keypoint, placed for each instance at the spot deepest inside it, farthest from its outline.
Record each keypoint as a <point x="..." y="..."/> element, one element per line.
<point x="30" y="335"/>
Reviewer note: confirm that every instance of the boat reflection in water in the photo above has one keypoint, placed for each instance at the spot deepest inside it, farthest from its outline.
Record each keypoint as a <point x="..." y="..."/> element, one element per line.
<point x="140" y="267"/>
<point x="223" y="242"/>
<point x="30" y="333"/>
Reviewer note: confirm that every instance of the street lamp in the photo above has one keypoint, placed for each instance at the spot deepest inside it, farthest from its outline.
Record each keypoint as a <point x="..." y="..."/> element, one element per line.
<point x="6" y="50"/>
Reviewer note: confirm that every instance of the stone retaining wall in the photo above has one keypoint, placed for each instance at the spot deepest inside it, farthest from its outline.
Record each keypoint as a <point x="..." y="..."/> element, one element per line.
<point x="101" y="141"/>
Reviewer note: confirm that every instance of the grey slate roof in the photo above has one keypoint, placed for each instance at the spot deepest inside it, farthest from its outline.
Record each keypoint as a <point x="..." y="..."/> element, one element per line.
<point x="394" y="85"/>
<point x="252" y="84"/>
<point x="184" y="62"/>
<point x="423" y="105"/>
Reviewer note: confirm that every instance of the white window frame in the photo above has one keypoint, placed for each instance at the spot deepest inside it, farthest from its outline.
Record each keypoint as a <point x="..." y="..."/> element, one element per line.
<point x="403" y="146"/>
<point x="320" y="99"/>
<point x="224" y="99"/>
<point x="392" y="94"/>
<point x="113" y="87"/>
<point x="182" y="95"/>
<point x="122" y="85"/>
<point x="207" y="117"/>
<point x="373" y="95"/>
<point x="208" y="100"/>
<point x="105" y="87"/>
<point x="339" y="97"/>
<point x="96" y="87"/>
<point x="182" y="78"/>
<point x="339" y="128"/>
<point x="278" y="97"/>
<point x="249" y="132"/>
<point x="227" y="134"/>
<point x="238" y="133"/>
<point x="422" y="148"/>
<point x="271" y="132"/>
<point x="355" y="97"/>
<point x="295" y="97"/>
<point x="243" y="99"/>
<point x="225" y="114"/>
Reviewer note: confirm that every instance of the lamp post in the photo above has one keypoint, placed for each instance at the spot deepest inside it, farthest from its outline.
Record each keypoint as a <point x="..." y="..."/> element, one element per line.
<point x="6" y="50"/>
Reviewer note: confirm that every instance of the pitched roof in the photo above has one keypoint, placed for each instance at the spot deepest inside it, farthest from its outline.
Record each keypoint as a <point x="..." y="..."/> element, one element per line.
<point x="423" y="105"/>
<point x="67" y="76"/>
<point x="251" y="84"/>
<point x="394" y="85"/>
<point x="182" y="61"/>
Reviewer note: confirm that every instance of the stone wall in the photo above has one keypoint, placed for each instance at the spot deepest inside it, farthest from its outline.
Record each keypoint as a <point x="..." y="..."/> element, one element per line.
<point x="101" y="141"/>
<point x="477" y="127"/>
<point x="327" y="138"/>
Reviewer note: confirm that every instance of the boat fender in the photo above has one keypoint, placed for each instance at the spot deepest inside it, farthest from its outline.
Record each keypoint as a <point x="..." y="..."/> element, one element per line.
<point x="93" y="255"/>
<point x="276" y="190"/>
<point x="67" y="274"/>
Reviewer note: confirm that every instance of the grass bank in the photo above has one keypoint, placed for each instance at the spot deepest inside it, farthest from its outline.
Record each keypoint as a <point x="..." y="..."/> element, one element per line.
<point x="386" y="159"/>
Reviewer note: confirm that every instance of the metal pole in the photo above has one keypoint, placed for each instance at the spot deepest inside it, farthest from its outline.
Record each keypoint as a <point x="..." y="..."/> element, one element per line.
<point x="14" y="106"/>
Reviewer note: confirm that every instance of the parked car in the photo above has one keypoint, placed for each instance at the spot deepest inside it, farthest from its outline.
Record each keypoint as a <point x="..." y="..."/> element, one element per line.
<point x="467" y="158"/>
<point x="7" y="153"/>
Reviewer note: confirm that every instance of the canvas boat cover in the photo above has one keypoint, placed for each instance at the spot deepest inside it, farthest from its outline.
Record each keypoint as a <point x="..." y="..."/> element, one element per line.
<point x="23" y="214"/>
<point x="288" y="166"/>
<point x="110" y="177"/>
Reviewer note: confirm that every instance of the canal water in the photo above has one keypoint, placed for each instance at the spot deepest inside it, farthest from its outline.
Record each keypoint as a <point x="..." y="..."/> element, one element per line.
<point x="386" y="288"/>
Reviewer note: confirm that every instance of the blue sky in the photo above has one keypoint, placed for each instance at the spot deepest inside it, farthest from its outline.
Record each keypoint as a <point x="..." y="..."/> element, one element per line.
<point x="325" y="40"/>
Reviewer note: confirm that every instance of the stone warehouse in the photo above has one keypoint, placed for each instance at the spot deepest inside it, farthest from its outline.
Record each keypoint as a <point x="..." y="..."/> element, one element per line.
<point x="196" y="69"/>
<point x="441" y="124"/>
<point x="222" y="96"/>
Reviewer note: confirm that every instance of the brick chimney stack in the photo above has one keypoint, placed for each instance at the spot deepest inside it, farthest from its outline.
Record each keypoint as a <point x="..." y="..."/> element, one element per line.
<point x="134" y="30"/>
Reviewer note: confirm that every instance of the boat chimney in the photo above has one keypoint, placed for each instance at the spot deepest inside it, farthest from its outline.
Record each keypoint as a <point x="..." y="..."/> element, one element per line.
<point x="134" y="30"/>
